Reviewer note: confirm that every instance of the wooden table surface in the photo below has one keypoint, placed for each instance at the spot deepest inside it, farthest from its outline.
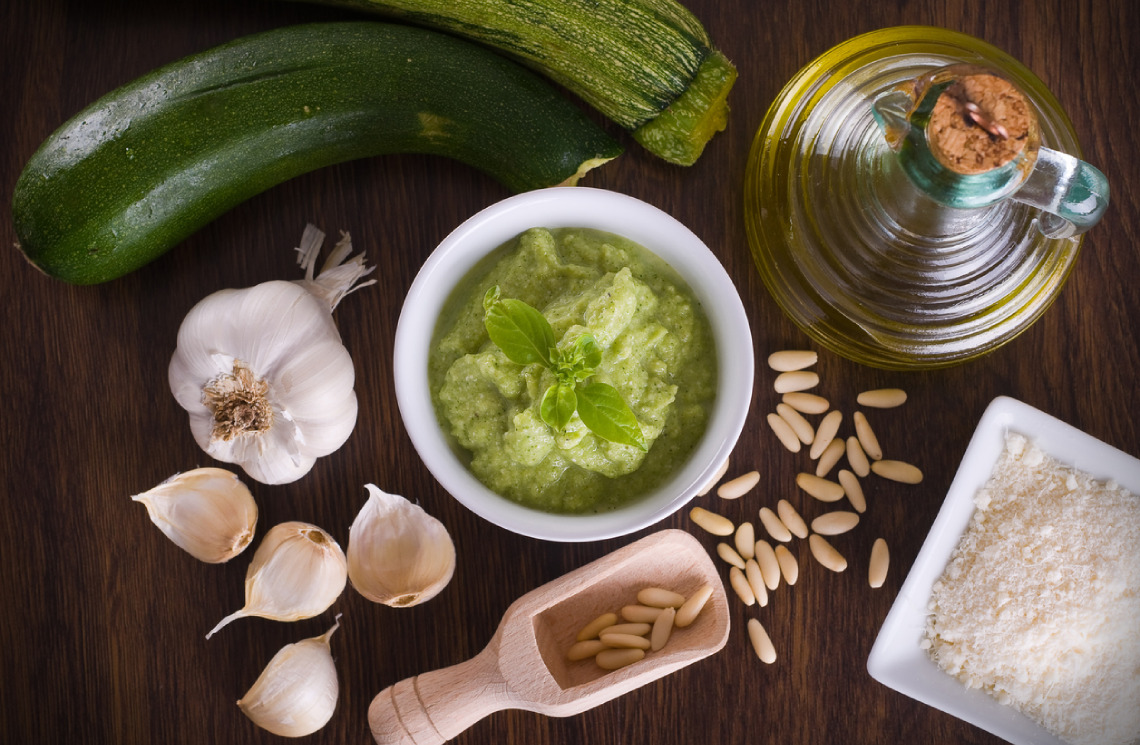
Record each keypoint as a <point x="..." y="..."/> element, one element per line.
<point x="102" y="639"/>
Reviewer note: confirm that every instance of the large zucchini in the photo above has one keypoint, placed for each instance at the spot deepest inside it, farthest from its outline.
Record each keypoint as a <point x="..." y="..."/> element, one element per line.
<point x="149" y="164"/>
<point x="646" y="64"/>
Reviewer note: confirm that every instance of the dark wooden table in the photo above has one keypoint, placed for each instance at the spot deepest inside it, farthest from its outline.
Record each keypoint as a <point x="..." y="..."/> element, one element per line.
<point x="102" y="634"/>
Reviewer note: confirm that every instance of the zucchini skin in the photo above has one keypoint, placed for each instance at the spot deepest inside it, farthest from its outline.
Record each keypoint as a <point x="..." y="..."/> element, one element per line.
<point x="150" y="163"/>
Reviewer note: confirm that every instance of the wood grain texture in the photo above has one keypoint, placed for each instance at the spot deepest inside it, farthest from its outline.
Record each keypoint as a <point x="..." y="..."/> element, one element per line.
<point x="102" y="638"/>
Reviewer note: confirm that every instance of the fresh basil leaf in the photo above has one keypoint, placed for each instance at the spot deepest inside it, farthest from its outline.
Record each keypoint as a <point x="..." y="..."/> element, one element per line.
<point x="607" y="415"/>
<point x="521" y="332"/>
<point x="558" y="404"/>
<point x="587" y="353"/>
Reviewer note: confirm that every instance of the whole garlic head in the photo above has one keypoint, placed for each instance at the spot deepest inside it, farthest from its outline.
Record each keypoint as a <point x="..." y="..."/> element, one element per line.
<point x="398" y="554"/>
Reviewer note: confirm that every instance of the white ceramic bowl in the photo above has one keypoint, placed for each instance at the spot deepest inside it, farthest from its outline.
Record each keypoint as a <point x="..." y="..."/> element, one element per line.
<point x="896" y="658"/>
<point x="585" y="208"/>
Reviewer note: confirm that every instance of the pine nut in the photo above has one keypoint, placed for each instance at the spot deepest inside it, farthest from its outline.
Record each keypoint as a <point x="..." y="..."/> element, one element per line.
<point x="662" y="629"/>
<point x="774" y="525"/>
<point x="787" y="360"/>
<point x="768" y="563"/>
<point x="614" y="659"/>
<point x="826" y="554"/>
<point x="822" y="489"/>
<point x="795" y="380"/>
<point x="829" y="457"/>
<point x="882" y="398"/>
<point x="897" y="470"/>
<point x="728" y="553"/>
<point x="711" y="521"/>
<point x="745" y="540"/>
<point x="825" y="432"/>
<point x="658" y="597"/>
<point x="755" y="579"/>
<point x="640" y="613"/>
<point x="688" y="612"/>
<point x="789" y="567"/>
<point x="867" y="437"/>
<point x="806" y="403"/>
<point x="761" y="642"/>
<point x="853" y="489"/>
<point x="738" y="486"/>
<point x="584" y="650"/>
<point x="802" y="427"/>
<point x="625" y="641"/>
<point x="834" y="523"/>
<point x="784" y="432"/>
<point x="880" y="559"/>
<point x="634" y="628"/>
<point x="740" y="585"/>
<point x="856" y="458"/>
<point x="593" y="628"/>
<point x="791" y="519"/>
<point x="720" y="472"/>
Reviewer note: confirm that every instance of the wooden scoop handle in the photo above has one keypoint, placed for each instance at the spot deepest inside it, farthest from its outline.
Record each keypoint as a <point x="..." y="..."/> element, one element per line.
<point x="434" y="707"/>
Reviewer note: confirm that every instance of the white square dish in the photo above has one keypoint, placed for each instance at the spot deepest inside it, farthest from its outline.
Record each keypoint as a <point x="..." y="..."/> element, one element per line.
<point x="897" y="659"/>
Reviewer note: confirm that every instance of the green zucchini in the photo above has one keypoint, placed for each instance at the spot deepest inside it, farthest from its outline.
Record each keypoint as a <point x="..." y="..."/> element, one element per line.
<point x="648" y="65"/>
<point x="150" y="163"/>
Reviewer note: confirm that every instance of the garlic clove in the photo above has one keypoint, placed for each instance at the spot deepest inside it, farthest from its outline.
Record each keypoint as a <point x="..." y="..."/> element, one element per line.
<point x="297" y="572"/>
<point x="398" y="554"/>
<point x="296" y="693"/>
<point x="207" y="512"/>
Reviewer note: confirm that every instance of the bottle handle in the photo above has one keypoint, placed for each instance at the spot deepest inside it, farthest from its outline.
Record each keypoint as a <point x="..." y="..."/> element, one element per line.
<point x="1071" y="194"/>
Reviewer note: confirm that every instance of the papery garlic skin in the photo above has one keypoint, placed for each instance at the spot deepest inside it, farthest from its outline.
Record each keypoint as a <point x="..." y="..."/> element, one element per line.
<point x="398" y="554"/>
<point x="297" y="572"/>
<point x="207" y="512"/>
<point x="296" y="694"/>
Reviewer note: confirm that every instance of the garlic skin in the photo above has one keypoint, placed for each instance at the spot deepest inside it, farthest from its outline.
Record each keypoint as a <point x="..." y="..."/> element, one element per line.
<point x="262" y="371"/>
<point x="207" y="512"/>
<point x="297" y="572"/>
<point x="398" y="554"/>
<point x="297" y="692"/>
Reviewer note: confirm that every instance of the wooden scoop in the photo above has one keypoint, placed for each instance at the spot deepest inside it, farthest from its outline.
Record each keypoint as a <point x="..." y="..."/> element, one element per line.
<point x="525" y="667"/>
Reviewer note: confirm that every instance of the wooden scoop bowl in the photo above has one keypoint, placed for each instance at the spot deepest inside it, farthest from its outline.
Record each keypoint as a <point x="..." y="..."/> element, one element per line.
<point x="525" y="667"/>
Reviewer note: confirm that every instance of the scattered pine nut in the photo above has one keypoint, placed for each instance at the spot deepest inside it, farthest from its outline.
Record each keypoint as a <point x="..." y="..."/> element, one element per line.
<point x="624" y="641"/>
<point x="774" y="525"/>
<point x="825" y="490"/>
<point x="614" y="659"/>
<point x="659" y="597"/>
<point x="662" y="629"/>
<point x="784" y="432"/>
<point x="768" y="563"/>
<point x="867" y="437"/>
<point x="795" y="380"/>
<point x="755" y="579"/>
<point x="688" y="612"/>
<point x="802" y="427"/>
<point x="741" y="587"/>
<point x="897" y="470"/>
<point x="711" y="521"/>
<point x="637" y="628"/>
<point x="835" y="523"/>
<point x="791" y="519"/>
<point x="788" y="360"/>
<point x="826" y="554"/>
<point x="882" y="398"/>
<point x="825" y="432"/>
<point x="829" y="457"/>
<point x="739" y="486"/>
<point x="856" y="458"/>
<point x="853" y="489"/>
<point x="806" y="403"/>
<point x="789" y="567"/>
<point x="880" y="559"/>
<point x="728" y="553"/>
<point x="720" y="472"/>
<point x="745" y="540"/>
<point x="584" y="650"/>
<point x="593" y="628"/>
<point x="761" y="642"/>
<point x="640" y="613"/>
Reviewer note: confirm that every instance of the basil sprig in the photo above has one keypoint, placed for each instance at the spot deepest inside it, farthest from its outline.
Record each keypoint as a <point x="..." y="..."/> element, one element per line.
<point x="526" y="338"/>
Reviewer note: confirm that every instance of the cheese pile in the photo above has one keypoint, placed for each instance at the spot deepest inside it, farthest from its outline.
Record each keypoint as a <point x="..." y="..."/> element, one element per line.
<point x="1039" y="605"/>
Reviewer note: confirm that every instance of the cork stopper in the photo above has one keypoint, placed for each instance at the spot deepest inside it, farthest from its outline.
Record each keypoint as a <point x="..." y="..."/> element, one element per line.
<point x="979" y="123"/>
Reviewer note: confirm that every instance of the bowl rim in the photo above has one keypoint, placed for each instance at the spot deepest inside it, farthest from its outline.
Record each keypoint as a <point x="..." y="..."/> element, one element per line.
<point x="584" y="207"/>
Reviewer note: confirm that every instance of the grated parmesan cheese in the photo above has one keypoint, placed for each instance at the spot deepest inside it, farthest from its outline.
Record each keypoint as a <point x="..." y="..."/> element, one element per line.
<point x="1039" y="605"/>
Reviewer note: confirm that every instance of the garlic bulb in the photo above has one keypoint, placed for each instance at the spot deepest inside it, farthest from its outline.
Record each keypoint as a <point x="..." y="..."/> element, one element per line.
<point x="297" y="572"/>
<point x="262" y="370"/>
<point x="398" y="554"/>
<point x="208" y="512"/>
<point x="296" y="693"/>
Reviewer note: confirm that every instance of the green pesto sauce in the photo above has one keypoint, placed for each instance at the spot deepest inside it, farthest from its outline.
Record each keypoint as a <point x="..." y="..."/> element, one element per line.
<point x="657" y="351"/>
